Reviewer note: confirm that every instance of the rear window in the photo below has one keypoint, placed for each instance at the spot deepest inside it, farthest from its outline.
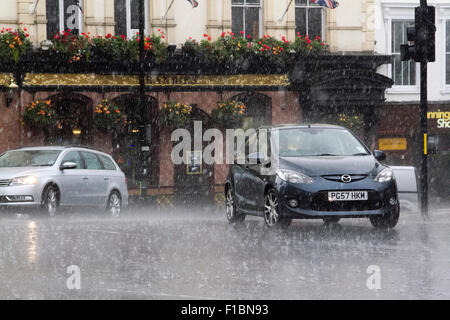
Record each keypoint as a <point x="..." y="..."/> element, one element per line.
<point x="107" y="162"/>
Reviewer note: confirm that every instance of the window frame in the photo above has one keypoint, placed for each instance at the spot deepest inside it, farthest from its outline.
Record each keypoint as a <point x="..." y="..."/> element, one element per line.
<point x="396" y="11"/>
<point x="445" y="19"/>
<point x="61" y="16"/>
<point x="132" y="32"/>
<point x="251" y="5"/>
<point x="307" y="7"/>
<point x="417" y="65"/>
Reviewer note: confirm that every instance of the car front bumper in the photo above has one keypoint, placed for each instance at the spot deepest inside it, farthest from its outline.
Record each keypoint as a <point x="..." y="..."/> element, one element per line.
<point x="313" y="199"/>
<point x="26" y="195"/>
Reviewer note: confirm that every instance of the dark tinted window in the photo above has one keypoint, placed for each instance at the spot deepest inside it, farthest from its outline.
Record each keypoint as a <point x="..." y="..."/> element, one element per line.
<point x="107" y="163"/>
<point x="52" y="7"/>
<point x="91" y="161"/>
<point x="120" y="17"/>
<point x="73" y="156"/>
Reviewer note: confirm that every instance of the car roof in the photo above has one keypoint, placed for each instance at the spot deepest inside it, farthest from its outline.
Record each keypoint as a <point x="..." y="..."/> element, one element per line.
<point x="302" y="126"/>
<point x="60" y="148"/>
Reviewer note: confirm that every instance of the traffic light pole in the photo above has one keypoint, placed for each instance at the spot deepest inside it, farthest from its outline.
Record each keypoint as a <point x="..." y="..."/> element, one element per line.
<point x="423" y="126"/>
<point x="424" y="129"/>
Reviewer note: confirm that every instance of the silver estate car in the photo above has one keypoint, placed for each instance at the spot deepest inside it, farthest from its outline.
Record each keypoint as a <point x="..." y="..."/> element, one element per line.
<point x="49" y="177"/>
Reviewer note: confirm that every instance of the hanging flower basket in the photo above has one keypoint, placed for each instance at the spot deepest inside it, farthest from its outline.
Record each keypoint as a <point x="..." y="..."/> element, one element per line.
<point x="39" y="114"/>
<point x="228" y="113"/>
<point x="350" y="121"/>
<point x="107" y="115"/>
<point x="175" y="114"/>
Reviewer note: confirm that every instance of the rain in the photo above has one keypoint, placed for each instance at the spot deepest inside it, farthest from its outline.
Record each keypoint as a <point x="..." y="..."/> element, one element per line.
<point x="224" y="150"/>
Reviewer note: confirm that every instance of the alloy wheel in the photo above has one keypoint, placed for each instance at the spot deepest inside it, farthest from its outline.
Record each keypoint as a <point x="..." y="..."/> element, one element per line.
<point x="271" y="216"/>
<point x="114" y="204"/>
<point x="51" y="202"/>
<point x="229" y="205"/>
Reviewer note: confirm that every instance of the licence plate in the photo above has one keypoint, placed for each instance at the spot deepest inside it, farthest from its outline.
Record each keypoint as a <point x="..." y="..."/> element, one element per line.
<point x="347" y="195"/>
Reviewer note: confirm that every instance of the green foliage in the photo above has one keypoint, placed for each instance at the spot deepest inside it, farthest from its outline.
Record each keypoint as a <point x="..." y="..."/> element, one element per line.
<point x="228" y="112"/>
<point x="13" y="44"/>
<point x="39" y="114"/>
<point x="174" y="114"/>
<point x="107" y="115"/>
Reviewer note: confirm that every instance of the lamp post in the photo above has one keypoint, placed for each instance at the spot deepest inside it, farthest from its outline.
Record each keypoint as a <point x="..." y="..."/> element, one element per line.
<point x="142" y="103"/>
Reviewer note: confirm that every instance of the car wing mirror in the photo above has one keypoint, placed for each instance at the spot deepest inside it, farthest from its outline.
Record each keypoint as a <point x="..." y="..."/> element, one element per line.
<point x="68" y="165"/>
<point x="379" y="155"/>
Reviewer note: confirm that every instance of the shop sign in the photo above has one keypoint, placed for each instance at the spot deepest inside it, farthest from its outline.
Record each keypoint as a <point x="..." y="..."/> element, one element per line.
<point x="392" y="144"/>
<point x="442" y="118"/>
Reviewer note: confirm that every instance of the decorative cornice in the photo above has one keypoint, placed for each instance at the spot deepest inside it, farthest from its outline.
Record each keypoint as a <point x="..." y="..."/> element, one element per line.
<point x="97" y="80"/>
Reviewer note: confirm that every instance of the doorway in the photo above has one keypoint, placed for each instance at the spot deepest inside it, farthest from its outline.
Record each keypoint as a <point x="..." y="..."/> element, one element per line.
<point x="136" y="147"/>
<point x="194" y="179"/>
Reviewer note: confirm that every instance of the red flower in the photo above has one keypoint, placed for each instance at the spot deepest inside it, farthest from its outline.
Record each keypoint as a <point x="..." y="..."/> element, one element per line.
<point x="308" y="41"/>
<point x="248" y="36"/>
<point x="163" y="37"/>
<point x="223" y="34"/>
<point x="68" y="30"/>
<point x="122" y="36"/>
<point x="27" y="35"/>
<point x="322" y="44"/>
<point x="205" y="35"/>
<point x="242" y="32"/>
<point x="24" y="29"/>
<point x="209" y="38"/>
<point x="55" y="37"/>
<point x="108" y="36"/>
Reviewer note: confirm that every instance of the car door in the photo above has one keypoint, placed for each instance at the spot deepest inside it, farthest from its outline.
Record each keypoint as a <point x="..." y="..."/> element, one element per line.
<point x="95" y="179"/>
<point x="72" y="182"/>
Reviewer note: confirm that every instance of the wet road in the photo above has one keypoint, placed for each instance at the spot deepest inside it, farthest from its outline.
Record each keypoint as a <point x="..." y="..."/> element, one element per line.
<point x="192" y="255"/>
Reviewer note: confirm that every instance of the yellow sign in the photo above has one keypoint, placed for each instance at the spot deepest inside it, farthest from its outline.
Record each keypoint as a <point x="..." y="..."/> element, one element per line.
<point x="244" y="80"/>
<point x="392" y="144"/>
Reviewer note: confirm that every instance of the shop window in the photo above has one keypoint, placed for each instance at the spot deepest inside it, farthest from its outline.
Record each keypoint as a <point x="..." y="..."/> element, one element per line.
<point x="246" y="15"/>
<point x="309" y="18"/>
<point x="403" y="72"/>
<point x="64" y="15"/>
<point x="126" y="13"/>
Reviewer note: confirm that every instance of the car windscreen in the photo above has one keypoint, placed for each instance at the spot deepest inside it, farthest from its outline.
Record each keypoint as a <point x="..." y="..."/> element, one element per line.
<point x="29" y="158"/>
<point x="304" y="142"/>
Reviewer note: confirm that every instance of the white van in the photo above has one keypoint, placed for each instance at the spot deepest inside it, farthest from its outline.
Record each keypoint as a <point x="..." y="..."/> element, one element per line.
<point x="407" y="184"/>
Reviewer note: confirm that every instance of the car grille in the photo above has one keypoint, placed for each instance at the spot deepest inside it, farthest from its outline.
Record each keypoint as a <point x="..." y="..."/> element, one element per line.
<point x="338" y="178"/>
<point x="320" y="202"/>
<point x="4" y="182"/>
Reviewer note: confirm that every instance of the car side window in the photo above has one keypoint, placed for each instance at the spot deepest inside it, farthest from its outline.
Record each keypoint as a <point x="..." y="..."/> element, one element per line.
<point x="91" y="160"/>
<point x="107" y="162"/>
<point x="73" y="156"/>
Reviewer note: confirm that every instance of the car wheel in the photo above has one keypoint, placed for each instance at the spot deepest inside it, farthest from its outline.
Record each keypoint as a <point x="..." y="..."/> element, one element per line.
<point x="389" y="219"/>
<point x="50" y="201"/>
<point x="233" y="215"/>
<point x="272" y="216"/>
<point x="329" y="220"/>
<point x="114" y="206"/>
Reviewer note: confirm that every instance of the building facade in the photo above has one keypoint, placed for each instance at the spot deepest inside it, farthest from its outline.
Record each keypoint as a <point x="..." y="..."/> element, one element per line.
<point x="361" y="36"/>
<point x="401" y="127"/>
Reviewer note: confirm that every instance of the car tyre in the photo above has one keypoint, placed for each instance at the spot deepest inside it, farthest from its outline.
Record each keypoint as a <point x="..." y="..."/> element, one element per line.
<point x="114" y="206"/>
<point x="232" y="213"/>
<point x="272" y="216"/>
<point x="50" y="200"/>
<point x="389" y="219"/>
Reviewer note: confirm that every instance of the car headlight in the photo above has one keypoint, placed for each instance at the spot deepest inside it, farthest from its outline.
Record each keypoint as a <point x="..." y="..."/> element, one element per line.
<point x="385" y="175"/>
<point x="293" y="177"/>
<point x="23" y="180"/>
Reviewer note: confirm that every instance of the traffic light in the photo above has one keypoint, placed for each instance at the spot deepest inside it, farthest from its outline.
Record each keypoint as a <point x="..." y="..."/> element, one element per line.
<point x="422" y="35"/>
